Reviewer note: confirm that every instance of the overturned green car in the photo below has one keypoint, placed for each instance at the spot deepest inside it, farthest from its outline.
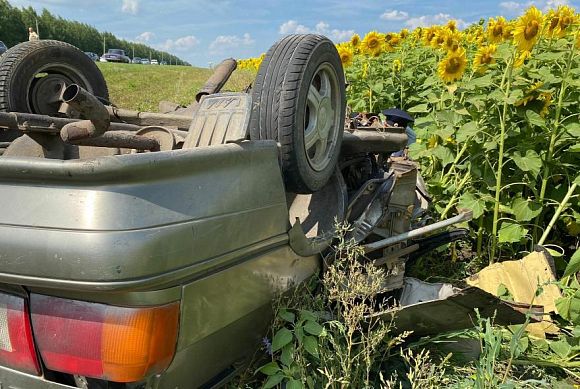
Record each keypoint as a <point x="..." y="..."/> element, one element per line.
<point x="143" y="250"/>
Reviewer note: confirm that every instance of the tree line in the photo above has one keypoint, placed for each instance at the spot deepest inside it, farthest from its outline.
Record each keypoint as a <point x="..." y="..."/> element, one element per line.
<point x="14" y="23"/>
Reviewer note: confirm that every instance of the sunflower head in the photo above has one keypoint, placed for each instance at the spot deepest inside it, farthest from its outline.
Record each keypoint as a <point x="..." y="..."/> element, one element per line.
<point x="438" y="40"/>
<point x="527" y="29"/>
<point x="496" y="29"/>
<point x="404" y="33"/>
<point x="451" y="25"/>
<point x="508" y="31"/>
<point x="346" y="54"/>
<point x="397" y="65"/>
<point x="484" y="57"/>
<point x="452" y="40"/>
<point x="522" y="57"/>
<point x="552" y="21"/>
<point x="355" y="40"/>
<point x="452" y="67"/>
<point x="429" y="34"/>
<point x="559" y="22"/>
<point x="372" y="43"/>
<point x="546" y="97"/>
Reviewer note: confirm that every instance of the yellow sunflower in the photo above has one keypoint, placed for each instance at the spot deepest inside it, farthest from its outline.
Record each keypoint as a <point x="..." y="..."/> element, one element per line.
<point x="496" y="29"/>
<point x="345" y="51"/>
<point x="546" y="97"/>
<point x="404" y="33"/>
<point x="527" y="29"/>
<point x="552" y="21"/>
<point x="397" y="65"/>
<point x="508" y="31"/>
<point x="522" y="58"/>
<point x="428" y="34"/>
<point x="439" y="38"/>
<point x="484" y="57"/>
<point x="355" y="40"/>
<point x="474" y="35"/>
<point x="452" y="67"/>
<point x="451" y="25"/>
<point x="395" y="40"/>
<point x="387" y="47"/>
<point x="372" y="43"/>
<point x="530" y="94"/>
<point x="452" y="40"/>
<point x="560" y="21"/>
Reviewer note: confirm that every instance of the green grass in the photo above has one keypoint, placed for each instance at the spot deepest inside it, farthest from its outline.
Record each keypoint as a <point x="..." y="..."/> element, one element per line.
<point x="142" y="87"/>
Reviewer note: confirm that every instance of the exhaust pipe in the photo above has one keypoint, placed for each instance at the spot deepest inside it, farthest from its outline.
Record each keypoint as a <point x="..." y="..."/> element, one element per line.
<point x="219" y="77"/>
<point x="90" y="107"/>
<point x="93" y="132"/>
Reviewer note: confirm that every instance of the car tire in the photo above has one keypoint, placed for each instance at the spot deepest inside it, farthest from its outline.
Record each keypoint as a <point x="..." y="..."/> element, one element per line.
<point x="31" y="72"/>
<point x="298" y="100"/>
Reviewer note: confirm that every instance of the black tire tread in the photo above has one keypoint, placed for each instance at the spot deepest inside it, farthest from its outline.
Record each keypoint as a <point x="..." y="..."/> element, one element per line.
<point x="12" y="59"/>
<point x="274" y="97"/>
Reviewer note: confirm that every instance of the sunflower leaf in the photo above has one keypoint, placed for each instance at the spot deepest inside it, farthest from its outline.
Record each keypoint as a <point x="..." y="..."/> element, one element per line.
<point x="573" y="129"/>
<point x="419" y="108"/>
<point x="469" y="201"/>
<point x="531" y="162"/>
<point x="574" y="264"/>
<point x="465" y="131"/>
<point x="535" y="119"/>
<point x="511" y="232"/>
<point x="525" y="210"/>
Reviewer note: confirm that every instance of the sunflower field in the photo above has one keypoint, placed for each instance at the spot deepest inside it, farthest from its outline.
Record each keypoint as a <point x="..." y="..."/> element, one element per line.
<point x="497" y="110"/>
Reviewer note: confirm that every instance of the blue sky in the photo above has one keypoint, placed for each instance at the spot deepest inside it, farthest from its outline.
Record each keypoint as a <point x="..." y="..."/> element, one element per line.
<point x="204" y="32"/>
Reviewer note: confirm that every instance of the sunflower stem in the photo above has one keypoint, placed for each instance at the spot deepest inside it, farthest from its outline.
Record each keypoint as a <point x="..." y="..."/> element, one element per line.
<point x="554" y="136"/>
<point x="507" y="78"/>
<point x="559" y="210"/>
<point x="453" y="199"/>
<point x="480" y="237"/>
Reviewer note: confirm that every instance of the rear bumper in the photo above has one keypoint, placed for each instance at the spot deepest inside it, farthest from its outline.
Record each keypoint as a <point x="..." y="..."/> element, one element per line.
<point x="17" y="380"/>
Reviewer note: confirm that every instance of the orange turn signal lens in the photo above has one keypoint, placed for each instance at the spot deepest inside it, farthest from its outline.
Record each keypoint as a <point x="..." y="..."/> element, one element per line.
<point x="117" y="344"/>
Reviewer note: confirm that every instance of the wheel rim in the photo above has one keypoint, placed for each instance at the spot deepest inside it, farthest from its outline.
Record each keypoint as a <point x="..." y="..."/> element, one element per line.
<point x="45" y="87"/>
<point x="322" y="118"/>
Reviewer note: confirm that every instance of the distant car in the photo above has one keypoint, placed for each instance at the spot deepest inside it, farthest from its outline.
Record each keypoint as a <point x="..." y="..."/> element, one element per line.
<point x="154" y="62"/>
<point x="145" y="61"/>
<point x="163" y="62"/>
<point x="3" y="48"/>
<point x="136" y="60"/>
<point x="91" y="55"/>
<point x="115" y="55"/>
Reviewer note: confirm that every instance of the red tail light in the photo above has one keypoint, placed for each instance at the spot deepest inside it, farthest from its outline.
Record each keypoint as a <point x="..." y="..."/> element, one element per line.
<point x="102" y="341"/>
<point x="16" y="343"/>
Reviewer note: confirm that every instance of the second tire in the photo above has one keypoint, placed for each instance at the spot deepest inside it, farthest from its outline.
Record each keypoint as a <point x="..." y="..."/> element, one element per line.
<point x="298" y="99"/>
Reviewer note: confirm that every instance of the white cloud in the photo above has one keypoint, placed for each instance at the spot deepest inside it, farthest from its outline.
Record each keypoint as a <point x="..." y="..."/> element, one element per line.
<point x="515" y="7"/>
<point x="428" y="20"/>
<point x="145" y="37"/>
<point x="230" y="41"/>
<point x="180" y="44"/>
<point x="130" y="7"/>
<point x="292" y="27"/>
<point x="323" y="28"/>
<point x="555" y="4"/>
<point x="511" y="5"/>
<point x="394" y="15"/>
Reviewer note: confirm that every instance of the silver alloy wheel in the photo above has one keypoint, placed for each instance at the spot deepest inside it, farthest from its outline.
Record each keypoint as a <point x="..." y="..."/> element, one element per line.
<point x="322" y="119"/>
